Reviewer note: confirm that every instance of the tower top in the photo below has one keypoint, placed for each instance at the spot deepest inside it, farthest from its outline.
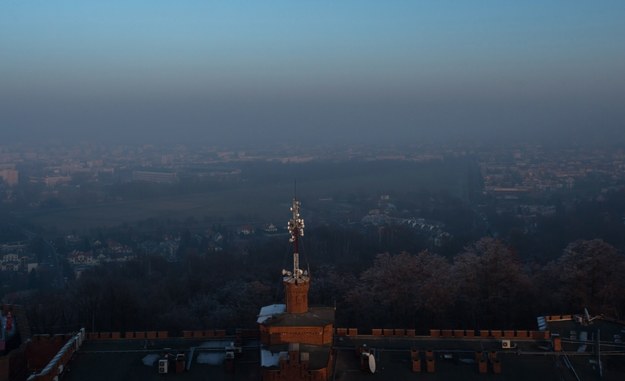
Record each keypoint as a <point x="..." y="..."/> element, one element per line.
<point x="296" y="229"/>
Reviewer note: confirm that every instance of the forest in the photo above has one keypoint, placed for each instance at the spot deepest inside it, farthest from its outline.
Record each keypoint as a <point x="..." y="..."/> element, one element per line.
<point x="486" y="285"/>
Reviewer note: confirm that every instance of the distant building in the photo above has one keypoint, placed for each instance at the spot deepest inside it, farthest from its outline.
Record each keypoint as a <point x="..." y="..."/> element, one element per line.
<point x="13" y="262"/>
<point x="14" y="247"/>
<point x="9" y="175"/>
<point x="52" y="181"/>
<point x="270" y="229"/>
<point x="82" y="258"/>
<point x="155" y="177"/>
<point x="246" y="230"/>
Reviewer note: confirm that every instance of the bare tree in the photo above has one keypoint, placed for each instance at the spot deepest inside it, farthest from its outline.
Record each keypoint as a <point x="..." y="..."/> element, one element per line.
<point x="590" y="274"/>
<point x="403" y="290"/>
<point x="491" y="285"/>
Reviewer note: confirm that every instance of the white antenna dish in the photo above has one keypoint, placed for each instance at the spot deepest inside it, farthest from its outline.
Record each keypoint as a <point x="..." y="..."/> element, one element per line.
<point x="371" y="363"/>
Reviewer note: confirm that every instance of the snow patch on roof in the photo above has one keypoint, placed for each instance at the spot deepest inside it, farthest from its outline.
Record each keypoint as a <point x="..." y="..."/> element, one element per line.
<point x="268" y="358"/>
<point x="211" y="358"/>
<point x="267" y="312"/>
<point x="151" y="359"/>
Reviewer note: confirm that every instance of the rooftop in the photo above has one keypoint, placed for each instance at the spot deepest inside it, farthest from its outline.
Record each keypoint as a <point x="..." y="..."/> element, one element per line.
<point x="126" y="360"/>
<point x="454" y="357"/>
<point x="315" y="317"/>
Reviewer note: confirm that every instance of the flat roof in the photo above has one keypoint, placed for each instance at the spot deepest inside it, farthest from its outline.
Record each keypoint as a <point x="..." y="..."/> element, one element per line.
<point x="315" y="317"/>
<point x="599" y="328"/>
<point x="123" y="360"/>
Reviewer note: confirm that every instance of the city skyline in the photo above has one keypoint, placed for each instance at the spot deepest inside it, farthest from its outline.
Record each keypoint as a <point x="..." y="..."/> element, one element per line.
<point x="312" y="71"/>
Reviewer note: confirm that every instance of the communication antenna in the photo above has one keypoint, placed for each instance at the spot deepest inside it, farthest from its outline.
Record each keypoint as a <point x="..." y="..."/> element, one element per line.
<point x="587" y="318"/>
<point x="370" y="361"/>
<point x="296" y="229"/>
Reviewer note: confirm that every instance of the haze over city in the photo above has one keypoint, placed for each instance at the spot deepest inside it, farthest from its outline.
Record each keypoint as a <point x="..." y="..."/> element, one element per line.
<point x="459" y="165"/>
<point x="252" y="73"/>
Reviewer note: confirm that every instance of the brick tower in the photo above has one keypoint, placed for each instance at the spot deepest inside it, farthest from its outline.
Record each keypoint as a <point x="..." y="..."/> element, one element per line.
<point x="296" y="340"/>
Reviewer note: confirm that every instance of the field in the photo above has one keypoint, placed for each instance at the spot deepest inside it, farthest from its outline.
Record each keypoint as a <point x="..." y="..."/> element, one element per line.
<point x="264" y="193"/>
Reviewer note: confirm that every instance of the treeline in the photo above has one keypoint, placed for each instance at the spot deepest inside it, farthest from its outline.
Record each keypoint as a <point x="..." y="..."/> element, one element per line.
<point x="484" y="286"/>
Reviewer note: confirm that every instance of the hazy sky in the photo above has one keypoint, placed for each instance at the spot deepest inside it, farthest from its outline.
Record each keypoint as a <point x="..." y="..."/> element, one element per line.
<point x="216" y="72"/>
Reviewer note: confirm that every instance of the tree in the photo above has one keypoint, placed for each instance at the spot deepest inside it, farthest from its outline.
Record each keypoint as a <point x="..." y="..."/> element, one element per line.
<point x="491" y="286"/>
<point x="403" y="290"/>
<point x="590" y="274"/>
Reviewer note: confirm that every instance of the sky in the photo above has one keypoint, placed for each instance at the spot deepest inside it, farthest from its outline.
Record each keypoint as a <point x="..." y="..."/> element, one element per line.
<point x="264" y="72"/>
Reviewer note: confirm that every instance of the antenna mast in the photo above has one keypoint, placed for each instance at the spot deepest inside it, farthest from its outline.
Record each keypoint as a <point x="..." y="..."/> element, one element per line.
<point x="296" y="229"/>
<point x="296" y="283"/>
